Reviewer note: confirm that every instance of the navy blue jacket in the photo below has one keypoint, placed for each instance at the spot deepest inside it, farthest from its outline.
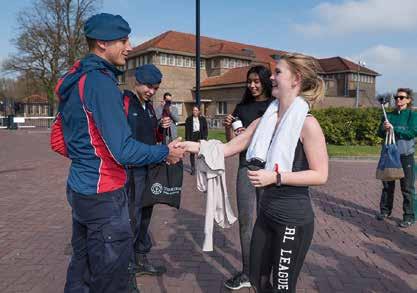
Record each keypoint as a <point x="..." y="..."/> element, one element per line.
<point x="92" y="130"/>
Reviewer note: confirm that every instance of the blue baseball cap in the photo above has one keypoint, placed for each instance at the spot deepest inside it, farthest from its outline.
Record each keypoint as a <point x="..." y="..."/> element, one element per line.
<point x="148" y="74"/>
<point x="106" y="27"/>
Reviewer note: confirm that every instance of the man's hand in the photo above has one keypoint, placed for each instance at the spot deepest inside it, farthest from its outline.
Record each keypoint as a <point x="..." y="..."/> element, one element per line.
<point x="190" y="146"/>
<point x="228" y="121"/>
<point x="388" y="126"/>
<point x="165" y="122"/>
<point x="176" y="152"/>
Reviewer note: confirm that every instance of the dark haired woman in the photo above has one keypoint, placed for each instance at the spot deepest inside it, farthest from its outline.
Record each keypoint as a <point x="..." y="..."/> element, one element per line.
<point x="403" y="121"/>
<point x="255" y="100"/>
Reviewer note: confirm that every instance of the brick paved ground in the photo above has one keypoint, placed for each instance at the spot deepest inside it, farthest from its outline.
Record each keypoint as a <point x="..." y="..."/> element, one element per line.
<point x="351" y="251"/>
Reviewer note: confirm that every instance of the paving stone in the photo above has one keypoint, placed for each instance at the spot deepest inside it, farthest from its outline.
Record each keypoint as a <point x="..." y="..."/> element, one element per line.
<point x="351" y="251"/>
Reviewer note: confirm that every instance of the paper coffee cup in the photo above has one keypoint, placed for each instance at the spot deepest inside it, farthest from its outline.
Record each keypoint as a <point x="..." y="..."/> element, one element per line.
<point x="237" y="124"/>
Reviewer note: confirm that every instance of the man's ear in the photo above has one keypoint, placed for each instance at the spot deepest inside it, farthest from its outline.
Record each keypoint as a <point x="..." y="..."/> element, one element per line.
<point x="102" y="44"/>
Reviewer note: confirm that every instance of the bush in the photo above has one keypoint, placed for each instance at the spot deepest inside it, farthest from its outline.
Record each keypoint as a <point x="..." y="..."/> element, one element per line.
<point x="350" y="126"/>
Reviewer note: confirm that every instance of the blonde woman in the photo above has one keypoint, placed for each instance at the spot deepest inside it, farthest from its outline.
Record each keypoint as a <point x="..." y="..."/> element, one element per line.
<point x="292" y="145"/>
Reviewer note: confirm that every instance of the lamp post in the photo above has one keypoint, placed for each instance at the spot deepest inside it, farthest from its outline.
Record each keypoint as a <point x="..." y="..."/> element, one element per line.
<point x="360" y="63"/>
<point x="197" y="53"/>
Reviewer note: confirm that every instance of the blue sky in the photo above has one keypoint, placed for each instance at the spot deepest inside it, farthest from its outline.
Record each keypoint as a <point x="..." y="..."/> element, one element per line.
<point x="383" y="33"/>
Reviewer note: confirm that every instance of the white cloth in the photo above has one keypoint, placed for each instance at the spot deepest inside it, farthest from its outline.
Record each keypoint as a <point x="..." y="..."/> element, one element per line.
<point x="278" y="147"/>
<point x="196" y="124"/>
<point x="211" y="178"/>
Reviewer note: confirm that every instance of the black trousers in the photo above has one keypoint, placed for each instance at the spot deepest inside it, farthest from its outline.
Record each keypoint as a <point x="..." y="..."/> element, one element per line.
<point x="280" y="250"/>
<point x="407" y="189"/>
<point x="101" y="243"/>
<point x="140" y="216"/>
<point x="194" y="137"/>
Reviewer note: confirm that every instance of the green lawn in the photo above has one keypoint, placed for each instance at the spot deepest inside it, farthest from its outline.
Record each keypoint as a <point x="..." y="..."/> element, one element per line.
<point x="333" y="150"/>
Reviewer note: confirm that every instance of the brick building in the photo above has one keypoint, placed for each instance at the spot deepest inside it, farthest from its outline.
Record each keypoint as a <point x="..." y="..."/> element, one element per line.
<point x="34" y="106"/>
<point x="224" y="65"/>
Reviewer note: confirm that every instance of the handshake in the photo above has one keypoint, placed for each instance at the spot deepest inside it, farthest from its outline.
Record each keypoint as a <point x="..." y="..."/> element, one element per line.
<point x="177" y="148"/>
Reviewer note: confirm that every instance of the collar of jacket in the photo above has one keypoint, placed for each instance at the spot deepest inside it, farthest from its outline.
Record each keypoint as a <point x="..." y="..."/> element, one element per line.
<point x="93" y="58"/>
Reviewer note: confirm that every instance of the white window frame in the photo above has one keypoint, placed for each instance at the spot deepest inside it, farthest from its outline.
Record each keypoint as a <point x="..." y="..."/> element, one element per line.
<point x="179" y="61"/>
<point x="221" y="108"/>
<point x="187" y="62"/>
<point x="131" y="63"/>
<point x="163" y="59"/>
<point x="232" y="63"/>
<point x="178" y="105"/>
<point x="171" y="60"/>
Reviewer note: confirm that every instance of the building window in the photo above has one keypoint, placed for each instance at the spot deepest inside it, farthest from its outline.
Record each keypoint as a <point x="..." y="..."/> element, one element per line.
<point x="45" y="109"/>
<point x="202" y="63"/>
<point x="193" y="62"/>
<point x="179" y="61"/>
<point x="221" y="108"/>
<point x="163" y="59"/>
<point x="225" y="62"/>
<point x="232" y="63"/>
<point x="171" y="60"/>
<point x="131" y="64"/>
<point x="187" y="61"/>
<point x="178" y="105"/>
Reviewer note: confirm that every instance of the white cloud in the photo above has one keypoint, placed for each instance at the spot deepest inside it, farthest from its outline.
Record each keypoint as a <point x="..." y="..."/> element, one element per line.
<point x="365" y="16"/>
<point x="396" y="65"/>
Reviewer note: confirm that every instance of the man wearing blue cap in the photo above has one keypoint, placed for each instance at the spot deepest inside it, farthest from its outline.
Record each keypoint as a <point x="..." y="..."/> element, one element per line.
<point x="91" y="129"/>
<point x="144" y="126"/>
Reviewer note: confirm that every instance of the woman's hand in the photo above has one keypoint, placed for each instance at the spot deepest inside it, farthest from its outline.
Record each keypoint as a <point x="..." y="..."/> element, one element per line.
<point x="387" y="126"/>
<point x="261" y="178"/>
<point x="190" y="146"/>
<point x="228" y="121"/>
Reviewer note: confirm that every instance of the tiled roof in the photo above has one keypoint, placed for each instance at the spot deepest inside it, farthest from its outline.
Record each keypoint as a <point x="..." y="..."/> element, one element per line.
<point x="232" y="76"/>
<point x="183" y="42"/>
<point x="173" y="41"/>
<point x="339" y="64"/>
<point x="35" y="99"/>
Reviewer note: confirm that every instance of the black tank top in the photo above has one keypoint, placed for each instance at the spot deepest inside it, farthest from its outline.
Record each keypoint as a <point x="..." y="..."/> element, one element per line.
<point x="289" y="205"/>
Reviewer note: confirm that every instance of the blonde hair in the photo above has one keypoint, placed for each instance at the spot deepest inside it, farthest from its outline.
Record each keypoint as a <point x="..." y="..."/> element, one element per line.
<point x="312" y="85"/>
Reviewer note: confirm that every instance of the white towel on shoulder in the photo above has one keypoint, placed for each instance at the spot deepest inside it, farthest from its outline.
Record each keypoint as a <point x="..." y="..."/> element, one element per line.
<point x="278" y="147"/>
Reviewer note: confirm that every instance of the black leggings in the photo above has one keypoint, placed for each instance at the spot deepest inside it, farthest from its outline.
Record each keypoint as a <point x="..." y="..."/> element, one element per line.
<point x="280" y="249"/>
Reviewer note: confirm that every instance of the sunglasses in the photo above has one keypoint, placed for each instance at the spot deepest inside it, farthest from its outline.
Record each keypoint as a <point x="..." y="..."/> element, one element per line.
<point x="400" y="97"/>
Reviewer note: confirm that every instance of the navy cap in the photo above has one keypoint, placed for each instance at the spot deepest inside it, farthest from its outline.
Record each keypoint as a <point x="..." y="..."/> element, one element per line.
<point x="106" y="27"/>
<point x="148" y="74"/>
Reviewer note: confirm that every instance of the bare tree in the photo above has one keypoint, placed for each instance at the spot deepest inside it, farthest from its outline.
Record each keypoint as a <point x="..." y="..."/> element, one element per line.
<point x="49" y="40"/>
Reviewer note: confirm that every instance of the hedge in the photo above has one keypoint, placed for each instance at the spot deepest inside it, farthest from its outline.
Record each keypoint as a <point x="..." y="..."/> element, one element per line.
<point x="350" y="126"/>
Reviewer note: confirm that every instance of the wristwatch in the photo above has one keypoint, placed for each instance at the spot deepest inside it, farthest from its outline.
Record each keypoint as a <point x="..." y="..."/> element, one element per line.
<point x="278" y="177"/>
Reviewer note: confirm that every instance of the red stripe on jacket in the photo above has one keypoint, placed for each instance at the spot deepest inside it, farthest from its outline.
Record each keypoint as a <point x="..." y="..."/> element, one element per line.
<point x="57" y="137"/>
<point x="112" y="175"/>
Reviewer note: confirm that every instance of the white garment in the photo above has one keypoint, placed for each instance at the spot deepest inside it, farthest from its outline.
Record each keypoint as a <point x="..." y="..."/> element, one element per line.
<point x="196" y="124"/>
<point x="211" y="178"/>
<point x="278" y="147"/>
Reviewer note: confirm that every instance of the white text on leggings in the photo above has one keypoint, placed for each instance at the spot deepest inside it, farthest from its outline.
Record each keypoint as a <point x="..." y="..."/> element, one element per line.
<point x="285" y="260"/>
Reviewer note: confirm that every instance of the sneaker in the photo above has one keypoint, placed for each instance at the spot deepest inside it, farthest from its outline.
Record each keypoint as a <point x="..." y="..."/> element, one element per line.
<point x="147" y="268"/>
<point x="240" y="280"/>
<point x="406" y="223"/>
<point x="382" y="216"/>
